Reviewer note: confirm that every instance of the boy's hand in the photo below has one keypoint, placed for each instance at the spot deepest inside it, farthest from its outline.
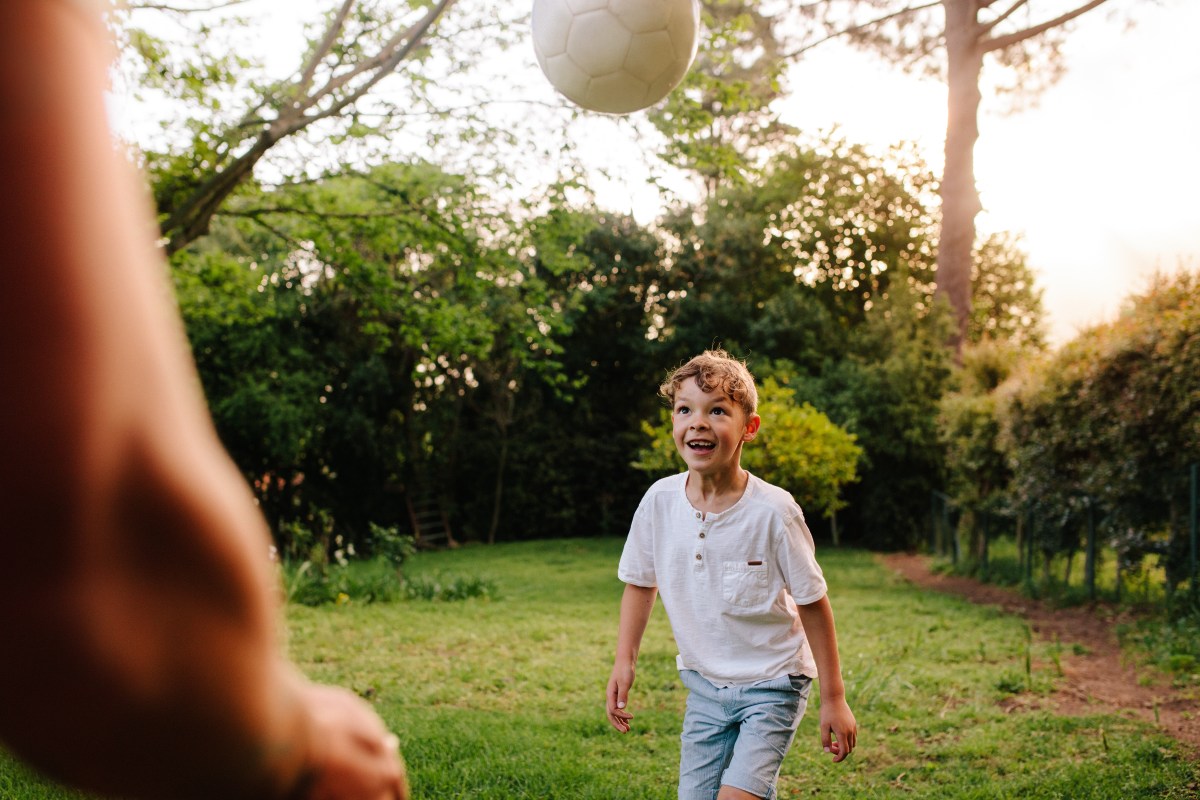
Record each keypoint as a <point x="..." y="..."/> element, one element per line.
<point x="617" y="697"/>
<point x="839" y="729"/>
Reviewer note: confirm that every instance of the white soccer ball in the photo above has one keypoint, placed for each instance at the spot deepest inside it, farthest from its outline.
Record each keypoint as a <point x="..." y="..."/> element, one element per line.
<point x="615" y="56"/>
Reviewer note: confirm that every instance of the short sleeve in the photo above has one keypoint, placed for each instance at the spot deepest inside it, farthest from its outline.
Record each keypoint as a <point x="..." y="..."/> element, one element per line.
<point x="637" y="558"/>
<point x="798" y="561"/>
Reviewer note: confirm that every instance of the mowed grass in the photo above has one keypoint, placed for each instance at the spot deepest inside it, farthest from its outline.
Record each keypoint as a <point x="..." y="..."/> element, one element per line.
<point x="503" y="698"/>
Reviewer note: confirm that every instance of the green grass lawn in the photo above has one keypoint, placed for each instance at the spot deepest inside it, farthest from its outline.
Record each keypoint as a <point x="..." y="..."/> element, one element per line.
<point x="503" y="697"/>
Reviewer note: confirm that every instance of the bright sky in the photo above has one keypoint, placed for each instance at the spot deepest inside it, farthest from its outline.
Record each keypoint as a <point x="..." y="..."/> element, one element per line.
<point x="1100" y="177"/>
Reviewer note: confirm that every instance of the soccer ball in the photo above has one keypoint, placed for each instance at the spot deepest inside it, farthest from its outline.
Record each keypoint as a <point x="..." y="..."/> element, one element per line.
<point x="615" y="56"/>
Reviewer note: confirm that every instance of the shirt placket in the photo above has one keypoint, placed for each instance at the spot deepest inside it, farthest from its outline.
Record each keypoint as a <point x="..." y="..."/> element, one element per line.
<point x="702" y="528"/>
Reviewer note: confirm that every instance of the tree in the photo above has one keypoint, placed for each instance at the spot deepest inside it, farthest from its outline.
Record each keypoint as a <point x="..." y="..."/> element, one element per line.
<point x="234" y="116"/>
<point x="574" y="437"/>
<point x="954" y="45"/>
<point x="882" y="381"/>
<point x="337" y="326"/>
<point x="1006" y="304"/>
<point x="722" y="116"/>
<point x="803" y="451"/>
<point x="785" y="263"/>
<point x="977" y="472"/>
<point x="721" y="121"/>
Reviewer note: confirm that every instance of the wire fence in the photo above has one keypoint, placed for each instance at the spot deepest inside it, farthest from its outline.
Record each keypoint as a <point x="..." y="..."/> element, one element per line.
<point x="972" y="536"/>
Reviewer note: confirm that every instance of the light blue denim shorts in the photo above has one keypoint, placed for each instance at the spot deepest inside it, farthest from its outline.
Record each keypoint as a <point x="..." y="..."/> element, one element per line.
<point x="738" y="735"/>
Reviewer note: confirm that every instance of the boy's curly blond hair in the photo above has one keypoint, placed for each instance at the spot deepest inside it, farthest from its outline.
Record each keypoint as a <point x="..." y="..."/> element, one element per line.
<point x="716" y="369"/>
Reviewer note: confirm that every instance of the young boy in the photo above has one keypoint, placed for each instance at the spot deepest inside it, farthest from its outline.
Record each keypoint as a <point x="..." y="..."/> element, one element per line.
<point x="733" y="561"/>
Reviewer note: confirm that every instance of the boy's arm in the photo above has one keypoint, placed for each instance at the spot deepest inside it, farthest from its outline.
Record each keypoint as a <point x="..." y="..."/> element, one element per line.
<point x="636" y="604"/>
<point x="836" y="717"/>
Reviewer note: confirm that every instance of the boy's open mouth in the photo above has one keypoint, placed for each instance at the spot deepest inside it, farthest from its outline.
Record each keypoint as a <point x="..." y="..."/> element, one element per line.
<point x="702" y="446"/>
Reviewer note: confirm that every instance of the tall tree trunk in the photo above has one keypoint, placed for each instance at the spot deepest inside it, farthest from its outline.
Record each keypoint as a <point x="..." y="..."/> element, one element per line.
<point x="960" y="197"/>
<point x="498" y="493"/>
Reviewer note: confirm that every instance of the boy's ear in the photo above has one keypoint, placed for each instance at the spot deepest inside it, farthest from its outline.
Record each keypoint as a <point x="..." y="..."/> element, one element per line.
<point x="751" y="427"/>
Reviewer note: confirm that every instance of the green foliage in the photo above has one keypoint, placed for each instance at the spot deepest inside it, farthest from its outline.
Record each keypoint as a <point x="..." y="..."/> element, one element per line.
<point x="1170" y="643"/>
<point x="313" y="583"/>
<point x="449" y="587"/>
<point x="342" y="325"/>
<point x="1111" y="423"/>
<point x="359" y="335"/>
<point x="1006" y="304"/>
<point x="787" y="264"/>
<point x="377" y="580"/>
<point x="969" y="427"/>
<point x="885" y="388"/>
<point x="717" y="121"/>
<point x="659" y="457"/>
<point x="800" y="449"/>
<point x="368" y="72"/>
<point x="825" y="264"/>
<point x="571" y="443"/>
<point x="390" y="545"/>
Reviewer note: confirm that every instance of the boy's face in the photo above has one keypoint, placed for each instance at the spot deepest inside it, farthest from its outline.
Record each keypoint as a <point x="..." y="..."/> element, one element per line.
<point x="709" y="429"/>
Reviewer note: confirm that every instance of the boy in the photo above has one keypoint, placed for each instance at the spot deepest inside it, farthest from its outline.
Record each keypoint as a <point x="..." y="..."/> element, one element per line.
<point x="733" y="561"/>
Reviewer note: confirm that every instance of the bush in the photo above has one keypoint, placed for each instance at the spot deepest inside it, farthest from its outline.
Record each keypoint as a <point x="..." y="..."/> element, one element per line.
<point x="1171" y="643"/>
<point x="448" y="587"/>
<point x="312" y="584"/>
<point x="373" y="581"/>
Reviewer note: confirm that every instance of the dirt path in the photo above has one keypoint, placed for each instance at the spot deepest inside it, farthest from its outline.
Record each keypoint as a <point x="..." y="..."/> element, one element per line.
<point x="1096" y="682"/>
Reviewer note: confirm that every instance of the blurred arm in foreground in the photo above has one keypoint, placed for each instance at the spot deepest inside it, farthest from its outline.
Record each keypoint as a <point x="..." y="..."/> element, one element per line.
<point x="137" y="604"/>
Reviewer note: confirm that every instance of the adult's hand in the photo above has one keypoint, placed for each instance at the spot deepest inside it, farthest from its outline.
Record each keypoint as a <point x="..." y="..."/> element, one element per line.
<point x="353" y="755"/>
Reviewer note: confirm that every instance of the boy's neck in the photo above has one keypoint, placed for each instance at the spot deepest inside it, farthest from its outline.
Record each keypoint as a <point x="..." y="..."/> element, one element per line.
<point x="716" y="493"/>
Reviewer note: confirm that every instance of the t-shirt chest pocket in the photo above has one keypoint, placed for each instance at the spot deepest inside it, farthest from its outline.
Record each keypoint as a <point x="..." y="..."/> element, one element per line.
<point x="745" y="583"/>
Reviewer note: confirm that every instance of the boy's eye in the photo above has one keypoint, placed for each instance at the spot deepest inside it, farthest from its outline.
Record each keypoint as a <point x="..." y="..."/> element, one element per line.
<point x="718" y="411"/>
<point x="682" y="410"/>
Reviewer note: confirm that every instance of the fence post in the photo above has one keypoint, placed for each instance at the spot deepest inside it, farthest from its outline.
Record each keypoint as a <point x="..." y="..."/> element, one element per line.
<point x="1193" y="537"/>
<point x="1091" y="552"/>
<point x="1028" y="547"/>
<point x="953" y="531"/>
<point x="984" y="554"/>
<point x="933" y="524"/>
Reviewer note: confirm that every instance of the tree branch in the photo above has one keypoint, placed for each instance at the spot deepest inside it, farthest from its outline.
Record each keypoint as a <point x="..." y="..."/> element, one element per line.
<point x="190" y="220"/>
<point x="1011" y="10"/>
<point x="323" y="48"/>
<point x="382" y="64"/>
<point x="254" y="212"/>
<point x="862" y="26"/>
<point x="167" y="7"/>
<point x="1001" y="42"/>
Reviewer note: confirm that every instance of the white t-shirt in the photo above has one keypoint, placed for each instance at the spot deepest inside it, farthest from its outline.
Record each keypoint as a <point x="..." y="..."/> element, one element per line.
<point x="730" y="582"/>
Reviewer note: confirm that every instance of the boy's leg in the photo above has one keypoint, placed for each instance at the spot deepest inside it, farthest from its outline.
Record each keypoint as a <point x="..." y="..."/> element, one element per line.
<point x="707" y="742"/>
<point x="769" y="714"/>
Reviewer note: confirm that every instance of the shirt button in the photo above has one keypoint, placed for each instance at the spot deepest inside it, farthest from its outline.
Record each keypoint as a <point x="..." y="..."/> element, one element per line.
<point x="697" y="515"/>
<point x="699" y="557"/>
<point x="701" y="534"/>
